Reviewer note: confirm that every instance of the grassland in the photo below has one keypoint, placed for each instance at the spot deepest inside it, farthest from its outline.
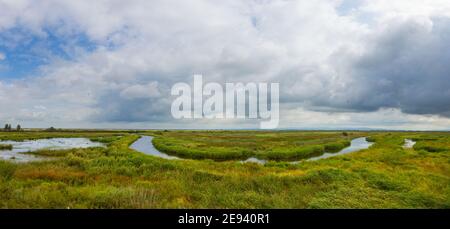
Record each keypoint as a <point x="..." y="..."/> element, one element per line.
<point x="234" y="145"/>
<point x="33" y="135"/>
<point x="384" y="176"/>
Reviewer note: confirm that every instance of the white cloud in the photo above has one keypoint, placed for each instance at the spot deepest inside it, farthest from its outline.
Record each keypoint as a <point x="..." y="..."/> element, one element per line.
<point x="408" y="8"/>
<point x="390" y="119"/>
<point x="2" y="56"/>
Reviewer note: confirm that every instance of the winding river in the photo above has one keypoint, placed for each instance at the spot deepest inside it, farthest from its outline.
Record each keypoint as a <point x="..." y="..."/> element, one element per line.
<point x="144" y="145"/>
<point x="355" y="145"/>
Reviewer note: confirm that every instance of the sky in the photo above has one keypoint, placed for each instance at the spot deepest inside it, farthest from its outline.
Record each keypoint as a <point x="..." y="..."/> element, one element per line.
<point x="341" y="64"/>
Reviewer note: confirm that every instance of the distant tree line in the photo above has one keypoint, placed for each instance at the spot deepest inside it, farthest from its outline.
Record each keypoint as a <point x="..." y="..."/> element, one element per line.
<point x="9" y="128"/>
<point x="51" y="129"/>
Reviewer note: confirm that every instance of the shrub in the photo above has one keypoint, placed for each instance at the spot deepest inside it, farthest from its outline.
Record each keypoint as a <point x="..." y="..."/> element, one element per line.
<point x="336" y="146"/>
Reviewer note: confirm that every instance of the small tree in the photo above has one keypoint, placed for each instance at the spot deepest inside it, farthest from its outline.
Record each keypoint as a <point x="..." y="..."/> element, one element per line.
<point x="7" y="127"/>
<point x="19" y="128"/>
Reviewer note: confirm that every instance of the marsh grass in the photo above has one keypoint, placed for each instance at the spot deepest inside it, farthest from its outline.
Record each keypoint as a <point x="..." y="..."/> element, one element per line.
<point x="238" y="145"/>
<point x="33" y="135"/>
<point x="383" y="176"/>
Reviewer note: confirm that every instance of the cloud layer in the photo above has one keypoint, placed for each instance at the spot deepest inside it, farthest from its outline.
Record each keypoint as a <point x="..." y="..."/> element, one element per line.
<point x="336" y="60"/>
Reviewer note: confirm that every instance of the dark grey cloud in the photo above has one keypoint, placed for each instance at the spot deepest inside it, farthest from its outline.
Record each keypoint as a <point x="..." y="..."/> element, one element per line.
<point x="112" y="107"/>
<point x="406" y="66"/>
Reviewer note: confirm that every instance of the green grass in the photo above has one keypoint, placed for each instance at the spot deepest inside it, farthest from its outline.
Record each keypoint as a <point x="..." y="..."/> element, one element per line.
<point x="383" y="176"/>
<point x="237" y="145"/>
<point x="432" y="145"/>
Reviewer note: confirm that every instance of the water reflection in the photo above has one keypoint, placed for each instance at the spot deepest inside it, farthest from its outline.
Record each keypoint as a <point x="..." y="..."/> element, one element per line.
<point x="356" y="145"/>
<point x="145" y="145"/>
<point x="255" y="160"/>
<point x="409" y="143"/>
<point x="21" y="147"/>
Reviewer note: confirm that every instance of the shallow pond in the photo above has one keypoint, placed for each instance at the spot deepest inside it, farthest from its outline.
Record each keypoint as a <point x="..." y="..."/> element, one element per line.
<point x="409" y="143"/>
<point x="145" y="145"/>
<point x="255" y="160"/>
<point x="21" y="147"/>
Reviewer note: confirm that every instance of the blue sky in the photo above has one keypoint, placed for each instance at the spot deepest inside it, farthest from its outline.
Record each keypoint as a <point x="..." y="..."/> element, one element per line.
<point x="340" y="63"/>
<point x="25" y="52"/>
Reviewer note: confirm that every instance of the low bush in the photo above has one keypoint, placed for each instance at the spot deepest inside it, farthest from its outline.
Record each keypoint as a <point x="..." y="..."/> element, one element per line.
<point x="5" y="147"/>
